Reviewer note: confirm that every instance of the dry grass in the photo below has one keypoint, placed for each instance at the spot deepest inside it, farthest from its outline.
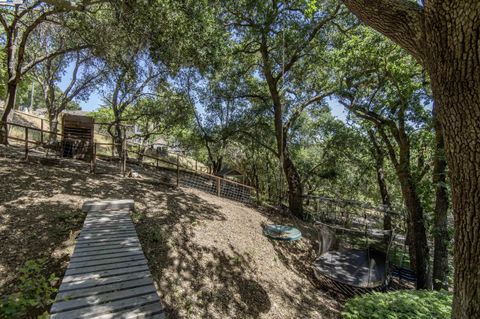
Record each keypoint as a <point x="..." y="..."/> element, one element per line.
<point x="207" y="254"/>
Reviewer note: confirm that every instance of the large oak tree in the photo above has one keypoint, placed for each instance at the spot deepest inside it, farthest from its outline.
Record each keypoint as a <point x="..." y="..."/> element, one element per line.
<point x="283" y="37"/>
<point x="444" y="37"/>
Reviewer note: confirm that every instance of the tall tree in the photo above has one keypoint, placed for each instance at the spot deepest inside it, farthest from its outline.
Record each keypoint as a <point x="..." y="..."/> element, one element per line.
<point x="378" y="153"/>
<point x="218" y="112"/>
<point x="443" y="37"/>
<point x="385" y="87"/>
<point x="283" y="37"/>
<point x="19" y="23"/>
<point x="134" y="78"/>
<point x="83" y="78"/>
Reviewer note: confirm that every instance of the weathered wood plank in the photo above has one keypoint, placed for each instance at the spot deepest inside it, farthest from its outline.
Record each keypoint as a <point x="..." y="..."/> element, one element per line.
<point x="92" y="291"/>
<point x="118" y="245"/>
<point x="106" y="252"/>
<point x="108" y="225"/>
<point x="107" y="230"/>
<point x="106" y="242"/>
<point x="102" y="298"/>
<point x="108" y="308"/>
<point x="103" y="238"/>
<point x="97" y="268"/>
<point x="97" y="282"/>
<point x="90" y="206"/>
<point x="152" y="310"/>
<point x="105" y="273"/>
<point x="89" y="263"/>
<point x="124" y="234"/>
<point x="101" y="257"/>
<point x="111" y="224"/>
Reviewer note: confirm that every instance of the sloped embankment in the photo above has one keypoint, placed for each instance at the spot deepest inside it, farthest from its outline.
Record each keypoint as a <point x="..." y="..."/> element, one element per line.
<point x="207" y="254"/>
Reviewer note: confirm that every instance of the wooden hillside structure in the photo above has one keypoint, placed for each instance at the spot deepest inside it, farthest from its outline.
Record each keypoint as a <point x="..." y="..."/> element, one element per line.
<point x="78" y="136"/>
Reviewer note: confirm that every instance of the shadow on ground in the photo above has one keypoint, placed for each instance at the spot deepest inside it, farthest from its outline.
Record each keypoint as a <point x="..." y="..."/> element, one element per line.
<point x="212" y="278"/>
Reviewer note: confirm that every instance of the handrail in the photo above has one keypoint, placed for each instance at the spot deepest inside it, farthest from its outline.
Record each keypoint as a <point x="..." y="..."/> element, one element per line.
<point x="33" y="128"/>
<point x="380" y="208"/>
<point x="193" y="171"/>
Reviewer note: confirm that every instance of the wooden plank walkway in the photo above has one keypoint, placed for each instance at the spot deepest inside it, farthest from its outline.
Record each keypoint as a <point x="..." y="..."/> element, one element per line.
<point x="108" y="275"/>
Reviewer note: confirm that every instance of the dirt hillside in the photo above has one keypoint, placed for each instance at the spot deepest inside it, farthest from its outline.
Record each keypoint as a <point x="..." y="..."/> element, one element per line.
<point x="207" y="254"/>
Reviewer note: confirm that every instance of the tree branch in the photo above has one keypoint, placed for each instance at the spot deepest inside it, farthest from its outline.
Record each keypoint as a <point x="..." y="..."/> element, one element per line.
<point x="297" y="53"/>
<point x="399" y="20"/>
<point x="259" y="142"/>
<point x="299" y="109"/>
<point x="51" y="55"/>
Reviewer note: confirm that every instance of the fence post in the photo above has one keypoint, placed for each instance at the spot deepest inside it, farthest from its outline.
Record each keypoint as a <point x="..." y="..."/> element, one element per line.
<point x="113" y="148"/>
<point x="26" y="143"/>
<point x="93" y="161"/>
<point x="178" y="171"/>
<point x="41" y="131"/>
<point x="218" y="186"/>
<point x="125" y="152"/>
<point x="196" y="166"/>
<point x="157" y="162"/>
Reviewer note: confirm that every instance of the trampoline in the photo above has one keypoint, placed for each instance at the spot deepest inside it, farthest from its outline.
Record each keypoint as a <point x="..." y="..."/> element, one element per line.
<point x="282" y="232"/>
<point x="362" y="268"/>
<point x="353" y="270"/>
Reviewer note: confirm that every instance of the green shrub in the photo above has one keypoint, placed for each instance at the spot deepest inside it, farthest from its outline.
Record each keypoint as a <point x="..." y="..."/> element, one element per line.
<point x="405" y="304"/>
<point x="34" y="293"/>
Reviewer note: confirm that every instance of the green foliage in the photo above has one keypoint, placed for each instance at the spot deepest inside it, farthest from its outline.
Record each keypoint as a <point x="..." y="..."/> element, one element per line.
<point x="102" y="115"/>
<point x="34" y="294"/>
<point x="406" y="304"/>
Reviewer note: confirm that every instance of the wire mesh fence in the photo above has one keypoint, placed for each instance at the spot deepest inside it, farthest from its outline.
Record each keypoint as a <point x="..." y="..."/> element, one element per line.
<point x="218" y="186"/>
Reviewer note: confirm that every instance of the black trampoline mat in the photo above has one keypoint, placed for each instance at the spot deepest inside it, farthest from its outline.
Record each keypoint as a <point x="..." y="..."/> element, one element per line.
<point x="356" y="268"/>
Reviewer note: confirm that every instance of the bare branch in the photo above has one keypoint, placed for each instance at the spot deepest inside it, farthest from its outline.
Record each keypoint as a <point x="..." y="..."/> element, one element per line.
<point x="51" y="55"/>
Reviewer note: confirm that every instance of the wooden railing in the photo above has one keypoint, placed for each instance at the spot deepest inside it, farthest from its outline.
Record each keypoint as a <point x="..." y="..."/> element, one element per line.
<point x="26" y="135"/>
<point x="185" y="174"/>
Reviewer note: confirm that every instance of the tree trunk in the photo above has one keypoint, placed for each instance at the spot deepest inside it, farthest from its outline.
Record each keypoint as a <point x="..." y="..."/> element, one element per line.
<point x="459" y="113"/>
<point x="295" y="187"/>
<point x="418" y="234"/>
<point x="217" y="165"/>
<point x="454" y="67"/>
<point x="10" y="105"/>
<point x="118" y="139"/>
<point x="440" y="227"/>
<point x="382" y="185"/>
<point x="142" y="150"/>
<point x="379" y="156"/>
<point x="53" y="125"/>
<point x="443" y="36"/>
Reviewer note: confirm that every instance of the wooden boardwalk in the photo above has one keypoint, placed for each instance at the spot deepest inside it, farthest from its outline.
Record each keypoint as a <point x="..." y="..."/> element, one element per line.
<point x="108" y="275"/>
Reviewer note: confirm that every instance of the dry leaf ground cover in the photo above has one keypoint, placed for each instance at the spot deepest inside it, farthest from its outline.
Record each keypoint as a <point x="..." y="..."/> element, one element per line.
<point x="207" y="254"/>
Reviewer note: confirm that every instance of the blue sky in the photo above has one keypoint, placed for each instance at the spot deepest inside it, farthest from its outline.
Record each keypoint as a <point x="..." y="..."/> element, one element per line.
<point x="95" y="99"/>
